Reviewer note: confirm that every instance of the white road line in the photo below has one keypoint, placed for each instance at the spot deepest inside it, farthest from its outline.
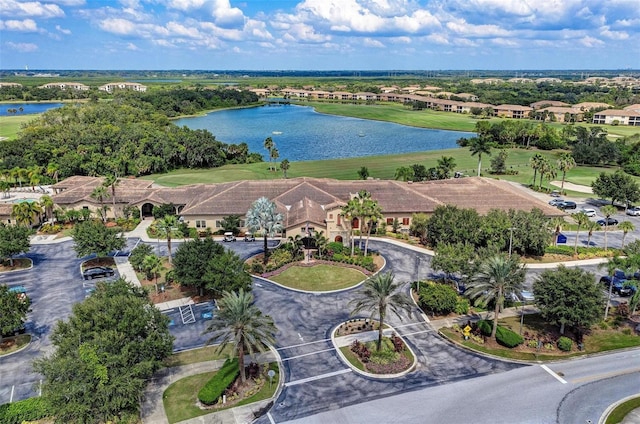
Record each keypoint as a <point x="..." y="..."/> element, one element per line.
<point x="317" y="377"/>
<point x="271" y="420"/>
<point x="303" y="344"/>
<point x="308" y="354"/>
<point x="11" y="397"/>
<point x="416" y="332"/>
<point x="556" y="376"/>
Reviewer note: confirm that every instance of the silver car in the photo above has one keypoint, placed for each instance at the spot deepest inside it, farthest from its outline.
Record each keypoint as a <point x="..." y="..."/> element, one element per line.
<point x="589" y="212"/>
<point x="634" y="211"/>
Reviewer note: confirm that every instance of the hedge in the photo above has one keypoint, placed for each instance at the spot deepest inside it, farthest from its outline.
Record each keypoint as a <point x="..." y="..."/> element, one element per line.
<point x="215" y="387"/>
<point x="508" y="338"/>
<point x="25" y="410"/>
<point x="565" y="343"/>
<point x="485" y="327"/>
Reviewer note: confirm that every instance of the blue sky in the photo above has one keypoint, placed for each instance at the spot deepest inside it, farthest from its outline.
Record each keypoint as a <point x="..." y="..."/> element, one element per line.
<point x="320" y="34"/>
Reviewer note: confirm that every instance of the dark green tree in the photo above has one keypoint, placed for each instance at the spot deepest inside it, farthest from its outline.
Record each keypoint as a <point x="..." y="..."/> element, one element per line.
<point x="191" y="262"/>
<point x="231" y="223"/>
<point x="568" y="296"/>
<point x="138" y="254"/>
<point x="13" y="310"/>
<point x="617" y="187"/>
<point x="453" y="258"/>
<point x="225" y="272"/>
<point x="14" y="239"/>
<point x="94" y="237"/>
<point x="104" y="355"/>
<point x="437" y="298"/>
<point x="363" y="173"/>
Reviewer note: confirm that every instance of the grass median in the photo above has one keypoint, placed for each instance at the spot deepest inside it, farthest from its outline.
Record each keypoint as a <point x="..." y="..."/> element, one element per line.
<point x="319" y="277"/>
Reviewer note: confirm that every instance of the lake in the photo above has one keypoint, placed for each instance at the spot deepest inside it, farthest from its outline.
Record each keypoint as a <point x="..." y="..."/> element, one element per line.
<point x="27" y="108"/>
<point x="301" y="133"/>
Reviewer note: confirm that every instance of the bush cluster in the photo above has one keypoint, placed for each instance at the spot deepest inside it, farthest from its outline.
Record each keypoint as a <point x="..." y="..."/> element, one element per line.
<point x="508" y="338"/>
<point x="583" y="252"/>
<point x="25" y="410"/>
<point x="216" y="387"/>
<point x="437" y="298"/>
<point x="50" y="228"/>
<point x="564" y="344"/>
<point x="361" y="350"/>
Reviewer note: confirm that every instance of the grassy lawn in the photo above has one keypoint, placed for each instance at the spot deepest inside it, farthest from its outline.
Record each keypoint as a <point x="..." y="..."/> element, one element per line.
<point x="11" y="344"/>
<point x="193" y="356"/>
<point x="10" y="125"/>
<point x="617" y="415"/>
<point x="319" y="277"/>
<point x="180" y="398"/>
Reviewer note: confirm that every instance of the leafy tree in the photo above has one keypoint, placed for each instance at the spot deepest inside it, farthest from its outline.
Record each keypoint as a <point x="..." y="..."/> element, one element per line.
<point x="616" y="186"/>
<point x="264" y="220"/>
<point x="530" y="232"/>
<point x="138" y="254"/>
<point x="568" y="296"/>
<point x="453" y="258"/>
<point x="152" y="267"/>
<point x="437" y="298"/>
<point x="420" y="226"/>
<point x="499" y="276"/>
<point x="14" y="310"/>
<point x="581" y="219"/>
<point x="284" y="167"/>
<point x="160" y="211"/>
<point x="226" y="272"/>
<point x="565" y="163"/>
<point x="191" y="262"/>
<point x="13" y="241"/>
<point x="363" y="173"/>
<point x="446" y="165"/>
<point x="240" y="323"/>
<point x="168" y="227"/>
<point x="419" y="172"/>
<point x="453" y="225"/>
<point x="626" y="227"/>
<point x="231" y="223"/>
<point x="379" y="294"/>
<point x="499" y="163"/>
<point x="404" y="173"/>
<point x="94" y="237"/>
<point x="104" y="355"/>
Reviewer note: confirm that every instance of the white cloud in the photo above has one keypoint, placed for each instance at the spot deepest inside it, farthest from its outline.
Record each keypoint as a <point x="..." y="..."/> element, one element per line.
<point x="22" y="47"/>
<point x="177" y="29"/>
<point x="372" y="42"/>
<point x="613" y="35"/>
<point x="32" y="8"/>
<point x="133" y="47"/>
<point x="505" y="42"/>
<point x="26" y="25"/>
<point x="464" y="28"/>
<point x="70" y="3"/>
<point x="185" y="5"/>
<point x="305" y="33"/>
<point x="226" y="16"/>
<point x="63" y="30"/>
<point x="118" y="26"/>
<point x="589" y="41"/>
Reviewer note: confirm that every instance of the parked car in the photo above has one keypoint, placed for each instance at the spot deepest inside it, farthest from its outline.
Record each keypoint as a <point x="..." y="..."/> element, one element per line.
<point x="555" y="193"/>
<point x="97" y="272"/>
<point x="567" y="204"/>
<point x="228" y="236"/>
<point x="607" y="221"/>
<point x="589" y="212"/>
<point x="635" y="211"/>
<point x="620" y="286"/>
<point x="556" y="202"/>
<point x="249" y="237"/>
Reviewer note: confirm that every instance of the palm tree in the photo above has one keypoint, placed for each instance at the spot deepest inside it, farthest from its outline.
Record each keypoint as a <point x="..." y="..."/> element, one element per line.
<point x="47" y="203"/>
<point x="99" y="193"/>
<point x="557" y="224"/>
<point x="111" y="181"/>
<point x="242" y="324"/>
<point x="269" y="144"/>
<point x="478" y="146"/>
<point x="284" y="167"/>
<point x="404" y="173"/>
<point x="152" y="266"/>
<point x="498" y="277"/>
<point x="626" y="227"/>
<point x="4" y="188"/>
<point x="263" y="219"/>
<point x="550" y="172"/>
<point x="565" y="163"/>
<point x="364" y="204"/>
<point x="379" y="294"/>
<point x="544" y="168"/>
<point x="607" y="211"/>
<point x="53" y="171"/>
<point x="374" y="214"/>
<point x="34" y="173"/>
<point x="167" y="227"/>
<point x="612" y="265"/>
<point x="25" y="212"/>
<point x="321" y="242"/>
<point x="296" y="244"/>
<point x="349" y="212"/>
<point x="581" y="219"/>
<point x="591" y="227"/>
<point x="274" y="155"/>
<point x="446" y="164"/>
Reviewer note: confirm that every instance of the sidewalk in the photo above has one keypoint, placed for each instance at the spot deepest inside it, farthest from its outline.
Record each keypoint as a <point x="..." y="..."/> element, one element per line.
<point x="463" y="319"/>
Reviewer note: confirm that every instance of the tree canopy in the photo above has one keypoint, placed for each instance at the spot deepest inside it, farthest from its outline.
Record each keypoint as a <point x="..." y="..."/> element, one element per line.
<point x="104" y="354"/>
<point x="13" y="310"/>
<point x="617" y="187"/>
<point x="94" y="237"/>
<point x="14" y="240"/>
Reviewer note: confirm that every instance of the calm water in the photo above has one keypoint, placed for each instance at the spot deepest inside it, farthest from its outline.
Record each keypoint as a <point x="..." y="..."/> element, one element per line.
<point x="27" y="108"/>
<point x="300" y="133"/>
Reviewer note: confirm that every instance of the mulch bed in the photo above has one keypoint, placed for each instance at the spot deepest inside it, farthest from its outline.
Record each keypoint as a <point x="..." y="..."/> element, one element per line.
<point x="19" y="263"/>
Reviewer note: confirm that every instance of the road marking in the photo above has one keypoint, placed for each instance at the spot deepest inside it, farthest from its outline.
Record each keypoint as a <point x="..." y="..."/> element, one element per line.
<point x="300" y="337"/>
<point x="317" y="377"/>
<point x="416" y="332"/>
<point x="302" y="344"/>
<point x="11" y="397"/>
<point x="271" y="420"/>
<point x="308" y="354"/>
<point x="556" y="376"/>
<point x="605" y="375"/>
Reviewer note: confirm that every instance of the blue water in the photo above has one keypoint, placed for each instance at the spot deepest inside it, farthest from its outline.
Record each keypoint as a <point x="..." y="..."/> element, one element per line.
<point x="27" y="108"/>
<point x="300" y="133"/>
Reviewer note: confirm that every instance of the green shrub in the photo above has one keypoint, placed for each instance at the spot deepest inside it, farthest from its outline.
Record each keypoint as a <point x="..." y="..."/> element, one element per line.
<point x="138" y="254"/>
<point x="438" y="298"/>
<point x="485" y="327"/>
<point x="335" y="247"/>
<point x="215" y="387"/>
<point x="508" y="338"/>
<point x="257" y="267"/>
<point x="25" y="410"/>
<point x="462" y="306"/>
<point x="564" y="343"/>
<point x="532" y="344"/>
<point x="280" y="257"/>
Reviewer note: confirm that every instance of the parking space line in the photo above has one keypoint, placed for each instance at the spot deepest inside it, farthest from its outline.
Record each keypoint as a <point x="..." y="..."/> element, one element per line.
<point x="556" y="376"/>
<point x="302" y="344"/>
<point x="308" y="354"/>
<point x="317" y="377"/>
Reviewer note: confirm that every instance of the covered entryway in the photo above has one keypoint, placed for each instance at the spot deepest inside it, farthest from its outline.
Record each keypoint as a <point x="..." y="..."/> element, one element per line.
<point x="147" y="210"/>
<point x="338" y="239"/>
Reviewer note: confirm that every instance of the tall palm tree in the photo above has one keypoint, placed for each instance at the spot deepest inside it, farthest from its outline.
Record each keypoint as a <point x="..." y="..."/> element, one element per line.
<point x="26" y="212"/>
<point x="364" y="205"/>
<point x="99" y="193"/>
<point x="626" y="227"/>
<point x="566" y="162"/>
<point x="591" y="227"/>
<point x="378" y="295"/>
<point x="478" y="146"/>
<point x="34" y="173"/>
<point x="263" y="219"/>
<point x="349" y="212"/>
<point x="111" y="181"/>
<point x="557" y="224"/>
<point x="167" y="227"/>
<point x="607" y="211"/>
<point x="374" y="214"/>
<point x="446" y="164"/>
<point x="241" y="323"/>
<point x="498" y="277"/>
<point x="613" y="264"/>
<point x="581" y="219"/>
<point x="404" y="173"/>
<point x="269" y="145"/>
<point x="545" y="166"/>
<point x="152" y="266"/>
<point x="284" y="167"/>
<point x="273" y="156"/>
<point x="47" y="204"/>
<point x="550" y="172"/>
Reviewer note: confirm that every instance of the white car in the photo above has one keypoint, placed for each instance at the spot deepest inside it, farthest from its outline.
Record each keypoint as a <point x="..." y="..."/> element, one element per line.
<point x="589" y="212"/>
<point x="634" y="211"/>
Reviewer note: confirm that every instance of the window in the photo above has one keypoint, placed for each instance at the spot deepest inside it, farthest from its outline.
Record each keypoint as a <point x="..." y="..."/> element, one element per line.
<point x="405" y="221"/>
<point x="338" y="219"/>
<point x="201" y="224"/>
<point x="303" y="230"/>
<point x="330" y="216"/>
<point x="218" y="224"/>
<point x="389" y="221"/>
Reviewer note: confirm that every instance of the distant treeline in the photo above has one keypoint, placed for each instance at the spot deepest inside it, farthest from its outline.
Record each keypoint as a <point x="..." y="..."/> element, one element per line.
<point x="126" y="136"/>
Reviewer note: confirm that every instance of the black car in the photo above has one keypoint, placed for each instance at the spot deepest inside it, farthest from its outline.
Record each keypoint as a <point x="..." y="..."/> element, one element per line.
<point x="97" y="272"/>
<point x="567" y="204"/>
<point x="619" y="285"/>
<point x="607" y="221"/>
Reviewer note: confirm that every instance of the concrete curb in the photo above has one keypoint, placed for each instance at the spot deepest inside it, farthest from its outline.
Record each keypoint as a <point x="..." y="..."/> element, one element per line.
<point x="21" y="269"/>
<point x="610" y="408"/>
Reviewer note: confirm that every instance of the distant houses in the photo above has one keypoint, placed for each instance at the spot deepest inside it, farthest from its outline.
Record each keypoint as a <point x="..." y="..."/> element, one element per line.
<point x="114" y="86"/>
